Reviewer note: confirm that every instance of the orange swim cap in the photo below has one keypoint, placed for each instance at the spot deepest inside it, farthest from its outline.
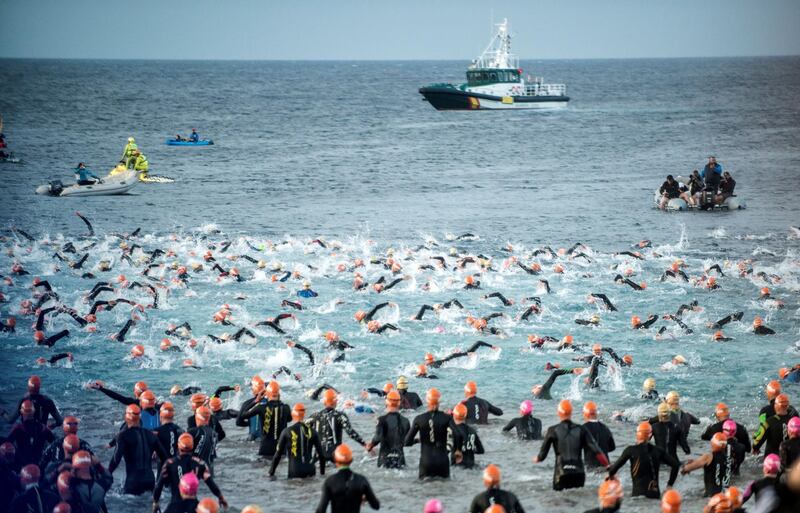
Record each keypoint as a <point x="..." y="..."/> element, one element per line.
<point x="609" y="493"/>
<point x="470" y="389"/>
<point x="433" y="397"/>
<point x="773" y="389"/>
<point x="343" y="455"/>
<point x="718" y="442"/>
<point x="460" y="412"/>
<point x="147" y="399"/>
<point x="202" y="416"/>
<point x="590" y="410"/>
<point x="137" y="351"/>
<point x="273" y="390"/>
<point x="636" y="321"/>
<point x="564" y="410"/>
<point x="643" y="432"/>
<point x="215" y="404"/>
<point x="185" y="443"/>
<point x="491" y="476"/>
<point x="671" y="502"/>
<point x="298" y="412"/>
<point x="329" y="398"/>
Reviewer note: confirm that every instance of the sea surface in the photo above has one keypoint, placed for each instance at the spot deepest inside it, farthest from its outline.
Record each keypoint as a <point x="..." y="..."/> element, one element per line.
<point x="350" y="153"/>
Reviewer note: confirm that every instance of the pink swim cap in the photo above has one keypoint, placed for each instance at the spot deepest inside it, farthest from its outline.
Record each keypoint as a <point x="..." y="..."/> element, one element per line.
<point x="526" y="407"/>
<point x="729" y="428"/>
<point x="433" y="506"/>
<point x="794" y="427"/>
<point x="439" y="329"/>
<point x="772" y="464"/>
<point x="189" y="484"/>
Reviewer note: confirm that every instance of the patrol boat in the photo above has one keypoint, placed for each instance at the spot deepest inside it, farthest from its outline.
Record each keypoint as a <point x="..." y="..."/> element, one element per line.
<point x="494" y="82"/>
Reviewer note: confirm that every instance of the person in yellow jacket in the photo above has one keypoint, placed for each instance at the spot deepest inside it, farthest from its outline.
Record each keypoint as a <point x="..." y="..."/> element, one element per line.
<point x="140" y="163"/>
<point x="127" y="153"/>
<point x="120" y="168"/>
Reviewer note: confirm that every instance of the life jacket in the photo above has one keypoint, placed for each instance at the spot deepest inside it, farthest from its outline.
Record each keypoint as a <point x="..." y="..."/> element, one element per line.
<point x="141" y="163"/>
<point x="129" y="149"/>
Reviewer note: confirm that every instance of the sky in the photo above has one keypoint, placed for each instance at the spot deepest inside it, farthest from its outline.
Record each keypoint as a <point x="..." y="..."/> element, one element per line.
<point x="395" y="29"/>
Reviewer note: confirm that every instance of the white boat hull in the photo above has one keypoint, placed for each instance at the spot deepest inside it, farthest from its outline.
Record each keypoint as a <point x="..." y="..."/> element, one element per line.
<point x="112" y="185"/>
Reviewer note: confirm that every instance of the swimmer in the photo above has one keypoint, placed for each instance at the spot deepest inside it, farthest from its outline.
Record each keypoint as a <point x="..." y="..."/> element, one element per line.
<point x="493" y="496"/>
<point x="437" y="436"/>
<point x="302" y="437"/>
<point x="168" y="432"/>
<point x="175" y="467"/>
<point x="543" y="391"/>
<point x="50" y="341"/>
<point x="390" y="433"/>
<point x="609" y="494"/>
<point x="437" y="308"/>
<point x="253" y="423"/>
<point x="45" y="408"/>
<point x="790" y="448"/>
<point x="594" y="320"/>
<point x="606" y="303"/>
<point x="500" y="296"/>
<point x="666" y="434"/>
<point x="760" y="329"/>
<point x="599" y="431"/>
<point x="468" y="444"/>
<point x="637" y="324"/>
<point x="568" y="440"/>
<point x="365" y="317"/>
<point x="725" y="320"/>
<point x="771" y="432"/>
<point x="771" y="468"/>
<point x="722" y="414"/>
<point x="649" y="391"/>
<point x="478" y="409"/>
<point x="346" y="489"/>
<point x="329" y="423"/>
<point x="717" y="471"/>
<point x="626" y="281"/>
<point x="433" y="363"/>
<point x="30" y="436"/>
<point x="136" y="446"/>
<point x="684" y="420"/>
<point x="645" y="459"/>
<point x="275" y="415"/>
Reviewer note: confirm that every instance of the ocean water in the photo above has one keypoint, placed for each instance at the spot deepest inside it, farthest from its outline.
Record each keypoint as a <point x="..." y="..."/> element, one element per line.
<point x="349" y="152"/>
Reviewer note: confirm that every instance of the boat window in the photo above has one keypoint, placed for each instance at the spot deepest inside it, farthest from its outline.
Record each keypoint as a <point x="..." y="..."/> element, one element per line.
<point x="494" y="77"/>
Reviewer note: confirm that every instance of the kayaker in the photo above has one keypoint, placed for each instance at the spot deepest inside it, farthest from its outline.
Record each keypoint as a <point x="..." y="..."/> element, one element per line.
<point x="140" y="162"/>
<point x="195" y="136"/>
<point x="82" y="175"/>
<point x="127" y="153"/>
<point x="179" y="138"/>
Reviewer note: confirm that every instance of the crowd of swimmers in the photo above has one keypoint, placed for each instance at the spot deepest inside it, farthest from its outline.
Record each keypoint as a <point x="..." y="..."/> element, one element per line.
<point x="46" y="466"/>
<point x="704" y="189"/>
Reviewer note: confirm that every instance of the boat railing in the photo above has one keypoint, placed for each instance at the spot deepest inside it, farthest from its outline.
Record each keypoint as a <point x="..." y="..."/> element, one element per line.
<point x="540" y="89"/>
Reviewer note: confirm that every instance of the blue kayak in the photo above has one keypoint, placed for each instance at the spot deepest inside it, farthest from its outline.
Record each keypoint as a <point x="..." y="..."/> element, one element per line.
<point x="173" y="142"/>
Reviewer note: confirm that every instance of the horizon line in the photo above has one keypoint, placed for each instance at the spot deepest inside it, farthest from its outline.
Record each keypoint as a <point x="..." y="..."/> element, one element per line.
<point x="193" y="59"/>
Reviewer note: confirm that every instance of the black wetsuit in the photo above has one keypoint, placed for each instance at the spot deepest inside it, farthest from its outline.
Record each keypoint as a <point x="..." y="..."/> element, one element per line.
<point x="789" y="452"/>
<point x="437" y="436"/>
<point x="344" y="491"/>
<point x="606" y="302"/>
<point x="773" y="433"/>
<point x="645" y="461"/>
<point x="137" y="445"/>
<point x="741" y="433"/>
<point x="667" y="436"/>
<point x="301" y="445"/>
<point x="183" y="506"/>
<point x="55" y="452"/>
<point x="728" y="318"/>
<point x="459" y="354"/>
<point x="717" y="474"/>
<point x="409" y="400"/>
<point x="89" y="495"/>
<point x="329" y="424"/>
<point x="763" y="330"/>
<point x="30" y="437"/>
<point x="684" y="420"/>
<point x="485" y="499"/>
<point x="178" y="466"/>
<point x="390" y="434"/>
<point x="569" y="440"/>
<point x="205" y="443"/>
<point x="478" y="410"/>
<point x="34" y="500"/>
<point x="275" y="416"/>
<point x="45" y="408"/>
<point x="167" y="435"/>
<point x="528" y="427"/>
<point x="469" y="444"/>
<point x="9" y="484"/>
<point x="545" y="393"/>
<point x="671" y="189"/>
<point x="605" y="441"/>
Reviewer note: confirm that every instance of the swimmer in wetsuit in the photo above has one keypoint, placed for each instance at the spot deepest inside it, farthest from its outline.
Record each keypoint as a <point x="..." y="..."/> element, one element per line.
<point x="470" y="444"/>
<point x="526" y="425"/>
<point x="478" y="409"/>
<point x="645" y="459"/>
<point x="568" y="440"/>
<point x="390" y="434"/>
<point x="430" y="361"/>
<point x="493" y="496"/>
<point x="345" y="490"/>
<point x="136" y="446"/>
<point x="301" y="445"/>
<point x="437" y="437"/>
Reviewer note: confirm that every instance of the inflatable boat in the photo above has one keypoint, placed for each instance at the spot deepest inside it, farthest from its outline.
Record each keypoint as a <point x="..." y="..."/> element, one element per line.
<point x="175" y="142"/>
<point x="117" y="184"/>
<point x="679" y="205"/>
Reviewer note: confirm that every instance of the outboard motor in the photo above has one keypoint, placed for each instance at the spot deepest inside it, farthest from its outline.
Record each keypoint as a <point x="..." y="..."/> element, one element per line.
<point x="56" y="187"/>
<point x="707" y="200"/>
